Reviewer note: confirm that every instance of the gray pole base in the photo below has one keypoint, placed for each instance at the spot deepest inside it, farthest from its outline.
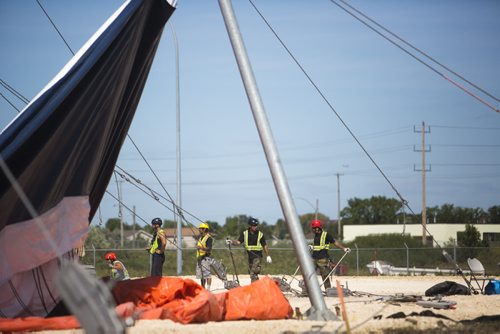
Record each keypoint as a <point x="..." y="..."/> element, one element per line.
<point x="89" y="300"/>
<point x="324" y="315"/>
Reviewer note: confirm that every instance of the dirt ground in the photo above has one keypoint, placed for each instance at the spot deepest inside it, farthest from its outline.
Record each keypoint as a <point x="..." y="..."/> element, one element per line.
<point x="374" y="299"/>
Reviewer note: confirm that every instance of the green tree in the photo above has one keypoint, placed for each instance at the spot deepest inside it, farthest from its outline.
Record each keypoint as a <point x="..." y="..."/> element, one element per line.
<point x="446" y="214"/>
<point x="450" y="214"/>
<point x="280" y="229"/>
<point x="234" y="225"/>
<point x="215" y="228"/>
<point x="470" y="237"/>
<point x="387" y="240"/>
<point x="306" y="219"/>
<point x="98" y="238"/>
<point x="494" y="214"/>
<point x="113" y="223"/>
<point x="375" y="210"/>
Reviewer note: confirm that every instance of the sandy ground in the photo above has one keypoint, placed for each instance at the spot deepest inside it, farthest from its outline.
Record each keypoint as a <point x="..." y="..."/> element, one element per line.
<point x="367" y="310"/>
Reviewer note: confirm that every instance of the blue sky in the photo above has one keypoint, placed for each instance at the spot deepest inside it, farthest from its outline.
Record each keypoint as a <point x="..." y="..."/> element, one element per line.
<point x="380" y="92"/>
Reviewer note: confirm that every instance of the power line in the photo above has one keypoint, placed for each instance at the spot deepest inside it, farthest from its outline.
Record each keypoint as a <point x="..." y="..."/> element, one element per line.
<point x="420" y="51"/>
<point x="382" y="133"/>
<point x="464" y="127"/>
<point x="134" y="213"/>
<point x="54" y="25"/>
<point x="14" y="92"/>
<point x="301" y="160"/>
<point x="9" y="102"/>
<point x="290" y="160"/>
<point x="456" y="84"/>
<point x="463" y="177"/>
<point x="468" y="164"/>
<point x="333" y="109"/>
<point x="152" y="193"/>
<point x="179" y="212"/>
<point x="465" y="145"/>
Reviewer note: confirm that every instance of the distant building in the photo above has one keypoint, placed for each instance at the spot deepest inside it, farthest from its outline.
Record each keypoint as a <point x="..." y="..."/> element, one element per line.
<point x="441" y="232"/>
<point x="189" y="237"/>
<point x="137" y="235"/>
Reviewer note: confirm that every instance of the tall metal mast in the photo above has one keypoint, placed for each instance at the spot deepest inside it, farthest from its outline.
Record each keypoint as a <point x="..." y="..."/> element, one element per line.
<point x="319" y="311"/>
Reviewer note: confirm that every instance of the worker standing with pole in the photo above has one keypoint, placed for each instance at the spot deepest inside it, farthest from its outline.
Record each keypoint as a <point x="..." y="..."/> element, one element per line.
<point x="321" y="244"/>
<point x="254" y="242"/>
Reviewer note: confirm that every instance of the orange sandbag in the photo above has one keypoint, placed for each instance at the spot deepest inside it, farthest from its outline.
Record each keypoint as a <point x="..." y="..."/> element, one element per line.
<point x="261" y="300"/>
<point x="38" y="324"/>
<point x="177" y="299"/>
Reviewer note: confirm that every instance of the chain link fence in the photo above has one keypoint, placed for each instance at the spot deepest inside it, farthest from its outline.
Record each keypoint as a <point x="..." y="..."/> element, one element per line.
<point x="408" y="261"/>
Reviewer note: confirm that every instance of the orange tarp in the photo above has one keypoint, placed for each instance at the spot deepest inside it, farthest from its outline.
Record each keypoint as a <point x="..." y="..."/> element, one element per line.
<point x="38" y="324"/>
<point x="261" y="300"/>
<point x="177" y="299"/>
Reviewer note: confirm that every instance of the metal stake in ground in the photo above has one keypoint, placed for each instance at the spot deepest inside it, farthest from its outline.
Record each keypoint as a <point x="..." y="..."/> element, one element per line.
<point x="234" y="264"/>
<point x="333" y="270"/>
<point x="294" y="274"/>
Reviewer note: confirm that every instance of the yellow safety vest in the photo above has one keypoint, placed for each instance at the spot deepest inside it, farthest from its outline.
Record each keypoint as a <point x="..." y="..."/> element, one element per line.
<point x="154" y="246"/>
<point x="257" y="247"/>
<point x="202" y="242"/>
<point x="322" y="243"/>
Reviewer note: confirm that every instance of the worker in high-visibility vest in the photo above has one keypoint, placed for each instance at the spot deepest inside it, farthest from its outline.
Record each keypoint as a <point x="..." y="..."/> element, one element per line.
<point x="157" y="248"/>
<point x="319" y="248"/>
<point x="203" y="258"/>
<point x="118" y="270"/>
<point x="254" y="242"/>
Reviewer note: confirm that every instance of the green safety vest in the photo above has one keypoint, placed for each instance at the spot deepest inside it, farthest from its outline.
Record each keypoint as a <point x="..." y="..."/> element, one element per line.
<point x="322" y="243"/>
<point x="257" y="247"/>
<point x="154" y="246"/>
<point x="202" y="242"/>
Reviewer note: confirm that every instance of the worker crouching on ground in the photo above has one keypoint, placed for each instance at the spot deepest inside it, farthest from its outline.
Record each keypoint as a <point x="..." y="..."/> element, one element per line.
<point x="203" y="259"/>
<point x="319" y="248"/>
<point x="157" y="248"/>
<point x="118" y="270"/>
<point x="254" y="242"/>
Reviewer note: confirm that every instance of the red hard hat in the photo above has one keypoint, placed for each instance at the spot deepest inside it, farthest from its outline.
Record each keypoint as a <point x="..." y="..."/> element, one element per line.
<point x="316" y="223"/>
<point x="110" y="256"/>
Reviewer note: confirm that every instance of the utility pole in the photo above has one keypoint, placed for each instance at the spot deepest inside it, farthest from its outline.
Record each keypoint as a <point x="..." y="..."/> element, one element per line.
<point x="317" y="209"/>
<point x="120" y="211"/>
<point x="423" y="170"/>
<point x="339" y="223"/>
<point x="133" y="227"/>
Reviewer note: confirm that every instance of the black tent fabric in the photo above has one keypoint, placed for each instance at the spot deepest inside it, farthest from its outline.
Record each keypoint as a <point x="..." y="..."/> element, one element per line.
<point x="63" y="147"/>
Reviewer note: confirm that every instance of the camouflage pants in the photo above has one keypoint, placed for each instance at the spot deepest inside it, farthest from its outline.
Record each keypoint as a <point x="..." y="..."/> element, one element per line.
<point x="203" y="267"/>
<point x="254" y="268"/>
<point x="323" y="265"/>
